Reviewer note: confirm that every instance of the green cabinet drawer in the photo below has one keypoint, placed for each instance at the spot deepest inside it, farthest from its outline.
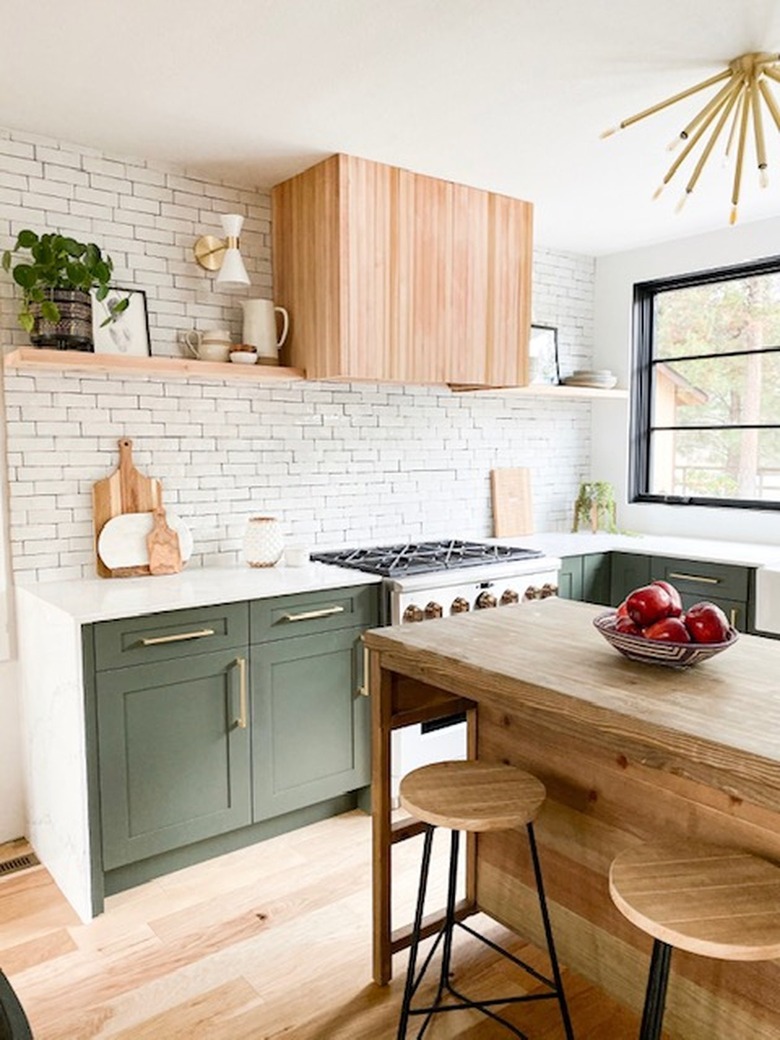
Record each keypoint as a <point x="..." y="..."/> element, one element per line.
<point x="286" y="617"/>
<point x="310" y="722"/>
<point x="173" y="757"/>
<point x="702" y="579"/>
<point x="171" y="635"/>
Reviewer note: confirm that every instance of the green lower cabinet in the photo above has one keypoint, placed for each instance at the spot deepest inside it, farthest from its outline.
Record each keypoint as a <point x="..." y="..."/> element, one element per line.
<point x="310" y="723"/>
<point x="173" y="759"/>
<point x="585" y="578"/>
<point x="629" y="572"/>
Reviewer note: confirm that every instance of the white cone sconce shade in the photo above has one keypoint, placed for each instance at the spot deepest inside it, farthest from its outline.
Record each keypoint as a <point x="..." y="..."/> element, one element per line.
<point x="222" y="255"/>
<point x="741" y="102"/>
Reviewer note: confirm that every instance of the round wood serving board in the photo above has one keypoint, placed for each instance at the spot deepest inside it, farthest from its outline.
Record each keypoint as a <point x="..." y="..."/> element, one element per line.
<point x="122" y="542"/>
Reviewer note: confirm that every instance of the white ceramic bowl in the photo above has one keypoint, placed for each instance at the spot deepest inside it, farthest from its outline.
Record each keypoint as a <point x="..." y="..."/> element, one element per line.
<point x="243" y="357"/>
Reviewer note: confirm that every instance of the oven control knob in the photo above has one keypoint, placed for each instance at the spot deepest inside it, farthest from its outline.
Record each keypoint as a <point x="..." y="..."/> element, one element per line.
<point x="413" y="613"/>
<point x="485" y="600"/>
<point x="509" y="596"/>
<point x="549" y="590"/>
<point x="434" y="610"/>
<point x="459" y="605"/>
<point x="532" y="593"/>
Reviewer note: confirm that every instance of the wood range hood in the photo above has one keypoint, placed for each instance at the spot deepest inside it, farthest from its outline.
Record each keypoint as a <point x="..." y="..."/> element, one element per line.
<point x="395" y="276"/>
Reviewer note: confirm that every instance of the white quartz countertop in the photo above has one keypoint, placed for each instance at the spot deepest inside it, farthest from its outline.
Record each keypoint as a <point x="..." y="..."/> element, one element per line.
<point x="104" y="599"/>
<point x="742" y="554"/>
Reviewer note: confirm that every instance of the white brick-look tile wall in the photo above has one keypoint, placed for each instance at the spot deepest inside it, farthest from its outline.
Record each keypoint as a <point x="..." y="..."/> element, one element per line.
<point x="337" y="463"/>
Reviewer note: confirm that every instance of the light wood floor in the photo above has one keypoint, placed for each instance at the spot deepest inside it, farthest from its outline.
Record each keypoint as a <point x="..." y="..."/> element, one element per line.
<point x="268" y="943"/>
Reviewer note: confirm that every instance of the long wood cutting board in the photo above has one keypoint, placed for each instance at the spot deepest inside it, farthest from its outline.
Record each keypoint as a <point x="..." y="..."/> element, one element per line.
<point x="125" y="491"/>
<point x="512" y="504"/>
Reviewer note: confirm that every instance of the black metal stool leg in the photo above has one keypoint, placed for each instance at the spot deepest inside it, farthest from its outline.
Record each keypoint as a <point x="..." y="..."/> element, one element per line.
<point x="655" y="996"/>
<point x="549" y="934"/>
<point x="409" y="988"/>
<point x="449" y="926"/>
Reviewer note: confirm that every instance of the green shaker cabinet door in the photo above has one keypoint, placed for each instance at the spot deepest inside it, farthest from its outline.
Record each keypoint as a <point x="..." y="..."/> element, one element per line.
<point x="570" y="578"/>
<point x="629" y="572"/>
<point x="173" y="756"/>
<point x="310" y="724"/>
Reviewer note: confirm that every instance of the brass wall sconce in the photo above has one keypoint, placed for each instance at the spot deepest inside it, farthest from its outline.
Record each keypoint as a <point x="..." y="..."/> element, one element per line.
<point x="222" y="255"/>
<point x="745" y="88"/>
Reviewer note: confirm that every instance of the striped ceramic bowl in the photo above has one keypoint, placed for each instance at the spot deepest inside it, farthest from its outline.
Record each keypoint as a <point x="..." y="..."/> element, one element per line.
<point x="655" y="651"/>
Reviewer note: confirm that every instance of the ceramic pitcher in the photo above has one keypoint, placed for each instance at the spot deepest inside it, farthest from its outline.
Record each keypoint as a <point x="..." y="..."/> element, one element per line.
<point x="260" y="328"/>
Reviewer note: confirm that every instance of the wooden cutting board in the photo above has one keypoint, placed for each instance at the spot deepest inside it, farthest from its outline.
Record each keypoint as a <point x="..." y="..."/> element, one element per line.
<point x="512" y="504"/>
<point x="125" y="491"/>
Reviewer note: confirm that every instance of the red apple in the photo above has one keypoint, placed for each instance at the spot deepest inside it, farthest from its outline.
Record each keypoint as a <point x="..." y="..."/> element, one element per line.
<point x="647" y="604"/>
<point x="627" y="627"/>
<point x="622" y="610"/>
<point x="674" y="596"/>
<point x="668" y="629"/>
<point x="707" y="623"/>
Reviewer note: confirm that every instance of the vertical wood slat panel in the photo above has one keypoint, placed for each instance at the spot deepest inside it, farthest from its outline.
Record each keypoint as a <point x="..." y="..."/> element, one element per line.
<point x="399" y="276"/>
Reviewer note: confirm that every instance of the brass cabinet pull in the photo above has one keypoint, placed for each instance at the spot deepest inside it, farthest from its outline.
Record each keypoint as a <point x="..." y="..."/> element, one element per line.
<point x="310" y="615"/>
<point x="180" y="637"/>
<point x="364" y="690"/>
<point x="733" y="615"/>
<point x="242" y="693"/>
<point x="695" y="577"/>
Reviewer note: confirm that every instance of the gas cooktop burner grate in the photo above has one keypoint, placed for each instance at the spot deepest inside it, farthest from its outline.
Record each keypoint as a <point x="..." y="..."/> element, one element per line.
<point x="424" y="557"/>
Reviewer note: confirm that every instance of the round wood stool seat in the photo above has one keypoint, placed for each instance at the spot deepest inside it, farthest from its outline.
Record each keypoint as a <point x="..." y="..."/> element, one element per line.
<point x="472" y="796"/>
<point x="713" y="901"/>
<point x="707" y="899"/>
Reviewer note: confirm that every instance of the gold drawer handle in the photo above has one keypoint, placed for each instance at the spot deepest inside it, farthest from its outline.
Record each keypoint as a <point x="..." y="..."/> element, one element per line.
<point x="310" y="615"/>
<point x="241" y="720"/>
<point x="180" y="637"/>
<point x="695" y="577"/>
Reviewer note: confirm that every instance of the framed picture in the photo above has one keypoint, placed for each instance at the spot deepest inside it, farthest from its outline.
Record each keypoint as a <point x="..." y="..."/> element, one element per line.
<point x="543" y="355"/>
<point x="128" y="335"/>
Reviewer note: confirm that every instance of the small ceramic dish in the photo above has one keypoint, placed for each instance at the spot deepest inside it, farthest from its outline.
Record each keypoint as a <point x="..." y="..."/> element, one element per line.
<point x="656" y="651"/>
<point x="243" y="357"/>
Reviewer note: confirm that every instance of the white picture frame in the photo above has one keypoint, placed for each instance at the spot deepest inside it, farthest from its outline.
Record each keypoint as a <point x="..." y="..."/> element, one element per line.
<point x="127" y="335"/>
<point x="543" y="356"/>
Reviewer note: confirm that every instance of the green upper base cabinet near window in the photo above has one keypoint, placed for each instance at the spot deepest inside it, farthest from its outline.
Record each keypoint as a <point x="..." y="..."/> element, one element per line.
<point x="585" y="578"/>
<point x="207" y="721"/>
<point x="629" y="572"/>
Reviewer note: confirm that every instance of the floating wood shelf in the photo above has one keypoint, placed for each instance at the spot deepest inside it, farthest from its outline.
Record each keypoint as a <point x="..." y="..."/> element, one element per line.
<point x="80" y="361"/>
<point x="543" y="390"/>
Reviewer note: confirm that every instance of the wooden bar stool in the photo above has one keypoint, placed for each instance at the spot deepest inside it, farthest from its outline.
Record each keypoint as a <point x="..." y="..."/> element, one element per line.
<point x="706" y="899"/>
<point x="473" y="796"/>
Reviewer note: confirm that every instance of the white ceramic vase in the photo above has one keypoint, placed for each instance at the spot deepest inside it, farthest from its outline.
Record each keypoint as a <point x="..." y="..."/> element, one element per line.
<point x="263" y="542"/>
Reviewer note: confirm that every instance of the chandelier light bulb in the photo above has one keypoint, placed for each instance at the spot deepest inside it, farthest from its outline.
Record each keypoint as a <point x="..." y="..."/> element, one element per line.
<point x="678" y="208"/>
<point x="657" y="192"/>
<point x="733" y="216"/>
<point x="763" y="177"/>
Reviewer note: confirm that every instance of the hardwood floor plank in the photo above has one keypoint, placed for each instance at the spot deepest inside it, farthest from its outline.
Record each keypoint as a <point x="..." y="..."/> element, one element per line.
<point x="267" y="943"/>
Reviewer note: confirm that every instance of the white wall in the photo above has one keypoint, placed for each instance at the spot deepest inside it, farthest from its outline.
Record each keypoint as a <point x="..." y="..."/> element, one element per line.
<point x="338" y="463"/>
<point x="615" y="278"/>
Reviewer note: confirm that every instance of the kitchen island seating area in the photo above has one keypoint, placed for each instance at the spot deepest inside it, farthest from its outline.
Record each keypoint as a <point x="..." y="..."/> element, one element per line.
<point x="474" y="797"/>
<point x="713" y="901"/>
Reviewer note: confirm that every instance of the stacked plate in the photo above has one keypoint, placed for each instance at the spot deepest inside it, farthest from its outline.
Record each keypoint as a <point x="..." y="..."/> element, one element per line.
<point x="600" y="378"/>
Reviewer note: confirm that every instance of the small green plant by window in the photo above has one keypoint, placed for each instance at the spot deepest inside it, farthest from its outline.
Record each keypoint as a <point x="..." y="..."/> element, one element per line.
<point x="58" y="262"/>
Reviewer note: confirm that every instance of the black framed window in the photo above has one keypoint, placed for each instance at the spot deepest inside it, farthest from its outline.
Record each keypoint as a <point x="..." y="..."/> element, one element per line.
<point x="705" y="427"/>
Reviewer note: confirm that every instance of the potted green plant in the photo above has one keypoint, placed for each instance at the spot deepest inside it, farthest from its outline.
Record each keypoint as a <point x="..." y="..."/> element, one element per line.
<point x="56" y="280"/>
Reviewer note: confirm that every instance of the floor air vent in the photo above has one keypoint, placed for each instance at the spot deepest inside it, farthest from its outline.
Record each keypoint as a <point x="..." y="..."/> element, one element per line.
<point x="11" y="866"/>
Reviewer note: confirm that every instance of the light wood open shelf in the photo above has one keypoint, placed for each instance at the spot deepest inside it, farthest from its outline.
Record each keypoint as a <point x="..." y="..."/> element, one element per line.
<point x="544" y="390"/>
<point x="79" y="361"/>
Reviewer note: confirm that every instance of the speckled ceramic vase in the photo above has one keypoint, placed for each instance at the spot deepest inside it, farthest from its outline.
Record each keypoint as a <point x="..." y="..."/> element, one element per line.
<point x="263" y="543"/>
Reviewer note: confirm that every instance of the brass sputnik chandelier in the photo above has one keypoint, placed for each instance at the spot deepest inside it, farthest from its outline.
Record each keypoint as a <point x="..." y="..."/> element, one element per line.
<point x="740" y="98"/>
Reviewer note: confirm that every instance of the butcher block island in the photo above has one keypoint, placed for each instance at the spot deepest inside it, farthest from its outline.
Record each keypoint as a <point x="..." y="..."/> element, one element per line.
<point x="628" y="752"/>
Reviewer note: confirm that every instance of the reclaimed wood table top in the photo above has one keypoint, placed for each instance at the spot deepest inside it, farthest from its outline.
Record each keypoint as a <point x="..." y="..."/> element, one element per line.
<point x="717" y="722"/>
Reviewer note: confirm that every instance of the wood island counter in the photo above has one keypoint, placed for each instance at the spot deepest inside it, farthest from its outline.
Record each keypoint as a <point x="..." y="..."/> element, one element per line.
<point x="628" y="752"/>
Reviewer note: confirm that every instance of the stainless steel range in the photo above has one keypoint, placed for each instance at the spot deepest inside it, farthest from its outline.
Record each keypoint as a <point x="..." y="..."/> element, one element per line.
<point x="429" y="580"/>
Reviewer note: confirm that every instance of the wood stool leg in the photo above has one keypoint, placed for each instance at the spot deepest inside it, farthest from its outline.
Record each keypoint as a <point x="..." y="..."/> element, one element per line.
<point x="655" y="997"/>
<point x="549" y="934"/>
<point x="410" y="986"/>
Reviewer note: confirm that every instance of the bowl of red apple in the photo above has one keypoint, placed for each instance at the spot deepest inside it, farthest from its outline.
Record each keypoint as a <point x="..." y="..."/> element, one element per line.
<point x="651" y="626"/>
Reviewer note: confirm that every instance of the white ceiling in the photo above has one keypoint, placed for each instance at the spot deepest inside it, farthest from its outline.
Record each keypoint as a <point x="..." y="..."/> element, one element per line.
<point x="508" y="95"/>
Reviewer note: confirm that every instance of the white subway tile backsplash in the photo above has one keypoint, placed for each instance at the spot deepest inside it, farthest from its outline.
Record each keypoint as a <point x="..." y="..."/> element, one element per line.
<point x="338" y="463"/>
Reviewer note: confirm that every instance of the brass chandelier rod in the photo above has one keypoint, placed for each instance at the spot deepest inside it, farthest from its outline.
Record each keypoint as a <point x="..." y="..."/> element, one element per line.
<point x="744" y="94"/>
